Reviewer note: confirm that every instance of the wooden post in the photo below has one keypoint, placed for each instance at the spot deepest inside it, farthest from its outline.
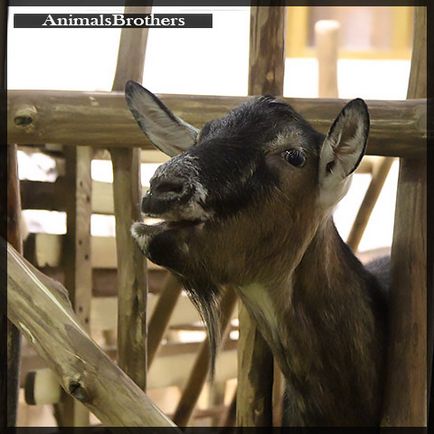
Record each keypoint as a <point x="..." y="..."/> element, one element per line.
<point x="161" y="315"/>
<point x="200" y="368"/>
<point x="127" y="191"/>
<point x="77" y="257"/>
<point x="255" y="361"/>
<point x="14" y="238"/>
<point x="406" y="390"/>
<point x="326" y="41"/>
<point x="40" y="308"/>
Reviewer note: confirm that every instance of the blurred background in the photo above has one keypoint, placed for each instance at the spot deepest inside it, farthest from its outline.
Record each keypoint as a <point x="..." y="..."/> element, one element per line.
<point x="373" y="62"/>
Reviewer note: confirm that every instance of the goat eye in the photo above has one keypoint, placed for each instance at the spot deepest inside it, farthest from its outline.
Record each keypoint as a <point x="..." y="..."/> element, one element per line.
<point x="295" y="157"/>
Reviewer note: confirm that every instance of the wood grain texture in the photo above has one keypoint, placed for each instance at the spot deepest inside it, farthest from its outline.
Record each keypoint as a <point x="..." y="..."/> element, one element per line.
<point x="42" y="312"/>
<point x="267" y="50"/>
<point x="406" y="390"/>
<point x="379" y="174"/>
<point x="255" y="360"/>
<point x="76" y="256"/>
<point x="132" y="282"/>
<point x="326" y="44"/>
<point x="15" y="239"/>
<point x="200" y="369"/>
<point x="398" y="128"/>
<point x="162" y="314"/>
<point x="127" y="193"/>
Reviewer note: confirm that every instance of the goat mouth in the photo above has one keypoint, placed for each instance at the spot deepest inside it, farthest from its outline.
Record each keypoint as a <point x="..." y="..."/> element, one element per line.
<point x="152" y="226"/>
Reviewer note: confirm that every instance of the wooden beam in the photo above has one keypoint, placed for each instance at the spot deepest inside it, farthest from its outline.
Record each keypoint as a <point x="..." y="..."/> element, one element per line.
<point x="51" y="196"/>
<point x="83" y="369"/>
<point x="266" y="75"/>
<point x="326" y="44"/>
<point x="76" y="257"/>
<point x="398" y="128"/>
<point x="15" y="239"/>
<point x="104" y="280"/>
<point x="162" y="314"/>
<point x="406" y="389"/>
<point x="127" y="194"/>
<point x="379" y="175"/>
<point x="104" y="312"/>
<point x="46" y="250"/>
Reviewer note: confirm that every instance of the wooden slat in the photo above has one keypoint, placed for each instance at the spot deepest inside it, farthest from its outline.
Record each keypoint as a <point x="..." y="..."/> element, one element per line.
<point x="15" y="239"/>
<point x="266" y="75"/>
<point x="326" y="44"/>
<point x="132" y="282"/>
<point x="398" y="128"/>
<point x="104" y="280"/>
<point x="406" y="391"/>
<point x="127" y="192"/>
<point x="48" y="251"/>
<point x="162" y="314"/>
<point x="379" y="176"/>
<point x="76" y="257"/>
<point x="104" y="312"/>
<point x="51" y="196"/>
<point x="84" y="371"/>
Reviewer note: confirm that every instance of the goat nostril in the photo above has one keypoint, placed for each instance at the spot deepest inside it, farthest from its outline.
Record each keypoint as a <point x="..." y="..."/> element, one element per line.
<point x="169" y="187"/>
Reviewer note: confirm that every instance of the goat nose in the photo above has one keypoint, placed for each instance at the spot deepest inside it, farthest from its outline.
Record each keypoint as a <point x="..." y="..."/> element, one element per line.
<point x="169" y="187"/>
<point x="164" y="194"/>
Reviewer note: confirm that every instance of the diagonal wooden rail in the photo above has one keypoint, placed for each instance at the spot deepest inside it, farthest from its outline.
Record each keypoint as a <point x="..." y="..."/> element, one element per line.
<point x="40" y="308"/>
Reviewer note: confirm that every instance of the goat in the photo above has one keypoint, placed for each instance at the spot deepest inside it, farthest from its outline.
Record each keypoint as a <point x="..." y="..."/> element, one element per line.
<point x="247" y="202"/>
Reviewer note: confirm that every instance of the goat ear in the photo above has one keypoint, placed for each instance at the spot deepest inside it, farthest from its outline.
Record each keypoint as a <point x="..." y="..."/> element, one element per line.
<point x="342" y="151"/>
<point x="166" y="131"/>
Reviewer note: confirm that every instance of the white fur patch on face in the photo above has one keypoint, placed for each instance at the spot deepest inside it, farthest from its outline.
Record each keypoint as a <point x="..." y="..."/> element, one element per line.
<point x="186" y="167"/>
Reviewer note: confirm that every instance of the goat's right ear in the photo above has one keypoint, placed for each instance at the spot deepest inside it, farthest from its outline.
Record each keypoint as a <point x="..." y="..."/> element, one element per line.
<point x="342" y="151"/>
<point x="166" y="131"/>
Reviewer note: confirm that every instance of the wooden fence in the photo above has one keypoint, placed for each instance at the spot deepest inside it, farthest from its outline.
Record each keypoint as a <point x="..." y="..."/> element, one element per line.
<point x="85" y="122"/>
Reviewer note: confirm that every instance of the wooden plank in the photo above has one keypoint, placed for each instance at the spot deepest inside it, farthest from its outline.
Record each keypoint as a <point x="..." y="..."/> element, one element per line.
<point x="266" y="75"/>
<point x="103" y="310"/>
<point x="200" y="369"/>
<point x="51" y="196"/>
<point x="15" y="239"/>
<point x="379" y="176"/>
<point x="406" y="391"/>
<point x="76" y="256"/>
<point x="398" y="128"/>
<point x="127" y="193"/>
<point x="83" y="369"/>
<point x="48" y="251"/>
<point x="132" y="283"/>
<point x="104" y="280"/>
<point x="326" y="41"/>
<point x="162" y="314"/>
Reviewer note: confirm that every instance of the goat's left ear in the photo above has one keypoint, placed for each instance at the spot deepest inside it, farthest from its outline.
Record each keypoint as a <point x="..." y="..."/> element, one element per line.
<point x="342" y="151"/>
